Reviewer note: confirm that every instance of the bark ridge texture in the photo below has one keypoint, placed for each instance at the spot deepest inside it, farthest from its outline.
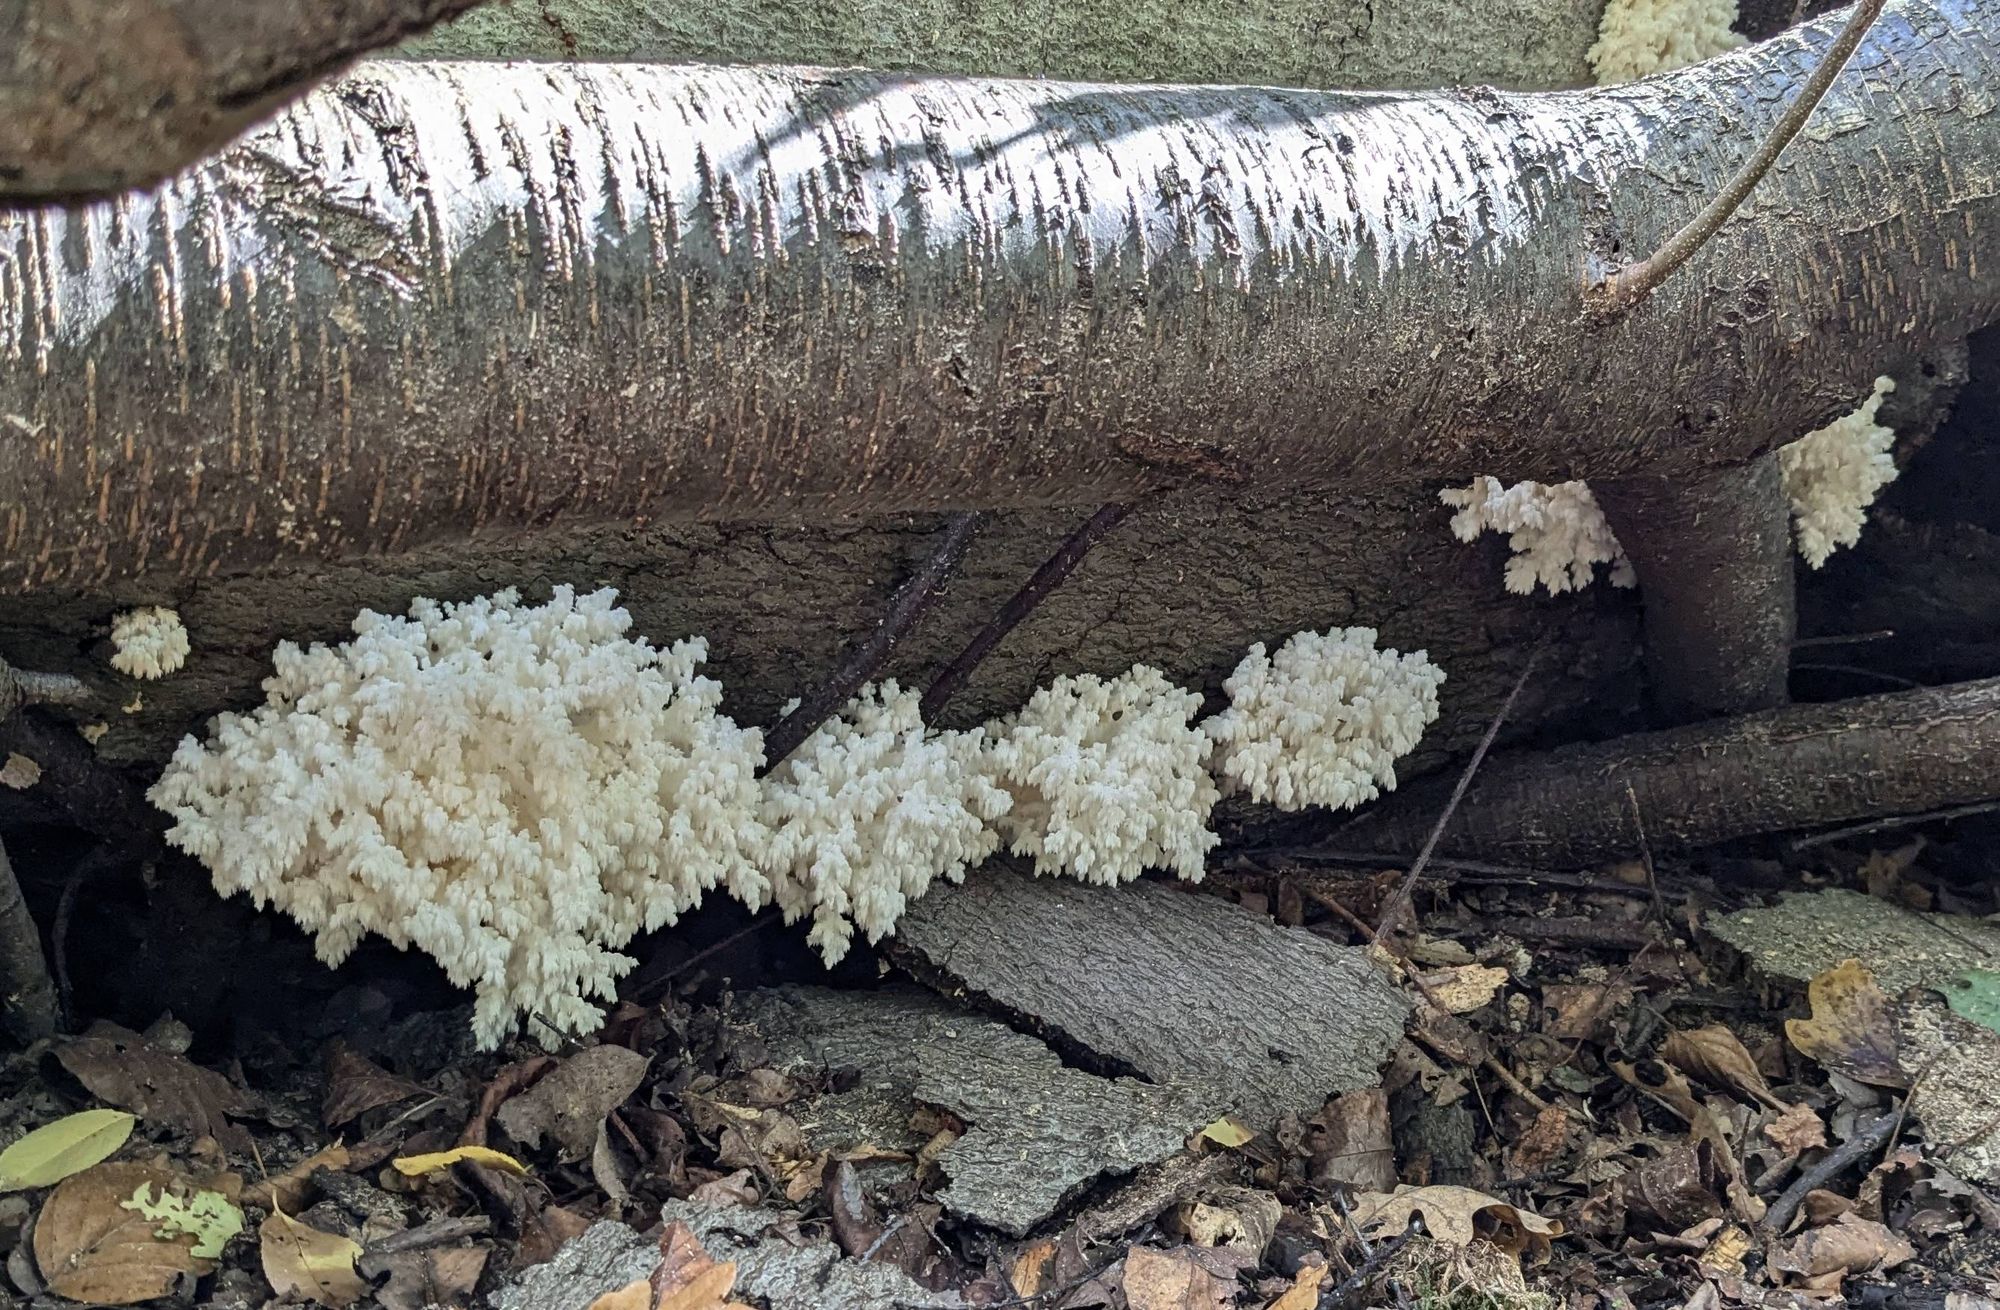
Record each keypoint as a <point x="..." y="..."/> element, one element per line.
<point x="1036" y="1130"/>
<point x="1801" y="767"/>
<point x="441" y="300"/>
<point x="1175" y="986"/>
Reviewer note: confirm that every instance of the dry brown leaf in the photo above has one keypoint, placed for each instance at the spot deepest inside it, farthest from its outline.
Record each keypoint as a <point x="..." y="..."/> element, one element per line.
<point x="1797" y="1130"/>
<point x="161" y="1086"/>
<point x="1537" y="1148"/>
<point x="571" y="1100"/>
<point x="290" y="1189"/>
<point x="1663" y="1081"/>
<point x="423" y="1280"/>
<point x="1848" y="1245"/>
<point x="1457" y="1216"/>
<point x="509" y="1081"/>
<point x="1714" y="1055"/>
<point x="355" y="1085"/>
<point x="1853" y="1029"/>
<point x="1171" y="1280"/>
<point x="635" y="1295"/>
<point x="1303" y="1294"/>
<point x="1574" y="1012"/>
<point x="1352" y="1147"/>
<point x="1029" y="1274"/>
<point x="91" y="1247"/>
<point x="300" y="1260"/>
<point x="1725" y="1253"/>
<point x="688" y="1277"/>
<point x="734" y="1189"/>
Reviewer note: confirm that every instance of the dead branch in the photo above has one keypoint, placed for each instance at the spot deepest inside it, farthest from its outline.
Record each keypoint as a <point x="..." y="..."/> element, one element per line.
<point x="1805" y="766"/>
<point x="28" y="1009"/>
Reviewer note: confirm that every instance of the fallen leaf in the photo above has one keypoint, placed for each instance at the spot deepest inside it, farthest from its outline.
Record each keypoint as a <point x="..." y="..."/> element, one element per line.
<point x="688" y="1277"/>
<point x="68" y="1146"/>
<point x="1675" y="1191"/>
<point x="635" y="1295"/>
<point x="1848" y="1245"/>
<point x="571" y="1100"/>
<point x="158" y="1085"/>
<point x="289" y="1190"/>
<point x="355" y="1085"/>
<point x="1664" y="1081"/>
<point x="1351" y="1145"/>
<point x="508" y="1082"/>
<point x="1725" y="1253"/>
<point x="1975" y="995"/>
<point x="90" y="1247"/>
<point x="1171" y="1280"/>
<point x="209" y="1217"/>
<point x="1853" y="1028"/>
<point x="1464" y="988"/>
<point x="1303" y="1294"/>
<point x="1227" y="1132"/>
<point x="1578" y="1011"/>
<point x="300" y="1260"/>
<point x="1537" y="1147"/>
<point x="733" y="1189"/>
<point x="1714" y="1055"/>
<point x="416" y="1166"/>
<point x="1797" y="1130"/>
<point x="1029" y="1274"/>
<point x="422" y="1280"/>
<point x="1456" y="1216"/>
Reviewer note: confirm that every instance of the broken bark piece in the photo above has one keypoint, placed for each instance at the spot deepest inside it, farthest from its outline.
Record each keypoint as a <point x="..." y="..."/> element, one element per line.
<point x="605" y="1258"/>
<point x="1184" y="989"/>
<point x="1036" y="1131"/>
<point x="772" y="1267"/>
<point x="1802" y="767"/>
<point x="1806" y="934"/>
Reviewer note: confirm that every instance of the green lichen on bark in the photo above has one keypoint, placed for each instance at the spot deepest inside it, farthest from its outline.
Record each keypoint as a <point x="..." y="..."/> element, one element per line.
<point x="1331" y="43"/>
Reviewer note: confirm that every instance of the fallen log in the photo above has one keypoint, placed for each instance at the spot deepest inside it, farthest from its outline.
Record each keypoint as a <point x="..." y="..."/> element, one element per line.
<point x="444" y="300"/>
<point x="1800" y="767"/>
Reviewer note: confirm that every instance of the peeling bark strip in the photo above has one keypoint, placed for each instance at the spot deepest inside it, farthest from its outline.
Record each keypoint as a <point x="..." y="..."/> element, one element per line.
<point x="99" y="97"/>
<point x="445" y="299"/>
<point x="1785" y="769"/>
<point x="1181" y="988"/>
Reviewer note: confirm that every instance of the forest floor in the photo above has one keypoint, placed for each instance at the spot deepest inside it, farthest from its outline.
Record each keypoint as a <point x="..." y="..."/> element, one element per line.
<point x="1629" y="1087"/>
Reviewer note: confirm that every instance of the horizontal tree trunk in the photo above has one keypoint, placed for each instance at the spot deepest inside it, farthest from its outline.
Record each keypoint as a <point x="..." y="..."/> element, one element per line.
<point x="1803" y="767"/>
<point x="99" y="97"/>
<point x="443" y="300"/>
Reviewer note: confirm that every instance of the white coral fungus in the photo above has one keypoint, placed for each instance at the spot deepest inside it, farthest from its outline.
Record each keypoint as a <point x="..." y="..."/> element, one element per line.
<point x="1558" y="533"/>
<point x="869" y="810"/>
<point x="1107" y="778"/>
<point x="148" y="642"/>
<point x="1639" y="37"/>
<point x="1323" y="721"/>
<point x="1833" y="474"/>
<point x="515" y="790"/>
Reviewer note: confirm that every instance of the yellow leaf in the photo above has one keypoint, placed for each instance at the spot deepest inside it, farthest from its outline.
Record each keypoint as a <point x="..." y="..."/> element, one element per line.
<point x="1227" y="1132"/>
<point x="635" y="1295"/>
<point x="1303" y="1294"/>
<point x="68" y="1146"/>
<point x="1853" y="1029"/>
<point x="416" y="1166"/>
<point x="300" y="1260"/>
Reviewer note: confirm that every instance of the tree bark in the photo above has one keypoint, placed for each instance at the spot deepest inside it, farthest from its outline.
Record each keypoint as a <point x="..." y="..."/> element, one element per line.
<point x="1802" y="767"/>
<point x="103" y="95"/>
<point x="1714" y="557"/>
<point x="438" y="301"/>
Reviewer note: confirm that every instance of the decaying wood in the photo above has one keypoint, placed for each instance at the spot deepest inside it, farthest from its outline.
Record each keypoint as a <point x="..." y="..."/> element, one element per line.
<point x="1775" y="771"/>
<point x="28" y="1008"/>
<point x="1181" y="988"/>
<point x="1036" y="1130"/>
<point x="439" y="300"/>
<point x="99" y="97"/>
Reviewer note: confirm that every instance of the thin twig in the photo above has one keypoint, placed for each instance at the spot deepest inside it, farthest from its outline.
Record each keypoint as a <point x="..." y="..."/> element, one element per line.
<point x="1888" y="825"/>
<point x="1859" y="671"/>
<point x="1345" y="915"/>
<point x="1021" y="604"/>
<point x="1402" y="896"/>
<point x="646" y="989"/>
<point x="906" y="609"/>
<point x="1843" y="638"/>
<point x="1646" y="859"/>
<point x="1629" y="286"/>
<point x="1868" y="1138"/>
